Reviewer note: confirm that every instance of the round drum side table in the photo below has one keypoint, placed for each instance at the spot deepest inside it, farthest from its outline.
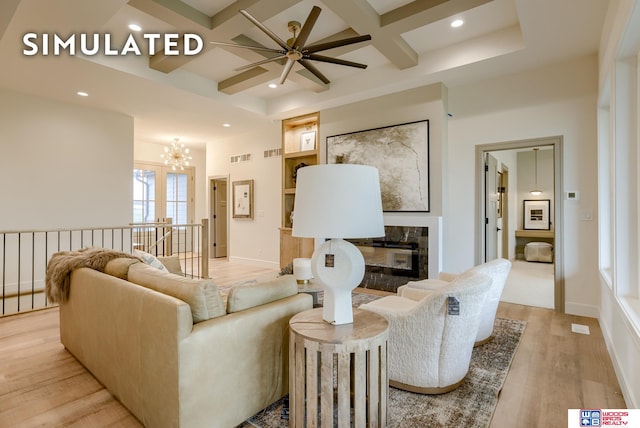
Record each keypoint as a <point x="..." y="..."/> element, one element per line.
<point x="338" y="374"/>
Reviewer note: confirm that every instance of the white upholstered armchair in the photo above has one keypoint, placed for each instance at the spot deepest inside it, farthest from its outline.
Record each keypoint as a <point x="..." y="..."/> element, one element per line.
<point x="431" y="339"/>
<point x="497" y="269"/>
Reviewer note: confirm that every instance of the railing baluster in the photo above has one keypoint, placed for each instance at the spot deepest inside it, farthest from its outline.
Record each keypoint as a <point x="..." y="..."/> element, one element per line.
<point x="4" y="271"/>
<point x="194" y="242"/>
<point x="33" y="270"/>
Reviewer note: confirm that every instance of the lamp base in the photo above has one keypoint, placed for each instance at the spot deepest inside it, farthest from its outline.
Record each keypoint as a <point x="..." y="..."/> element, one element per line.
<point x="339" y="267"/>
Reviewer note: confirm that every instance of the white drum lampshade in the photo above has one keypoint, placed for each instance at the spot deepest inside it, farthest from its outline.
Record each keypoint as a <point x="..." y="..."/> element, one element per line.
<point x="337" y="201"/>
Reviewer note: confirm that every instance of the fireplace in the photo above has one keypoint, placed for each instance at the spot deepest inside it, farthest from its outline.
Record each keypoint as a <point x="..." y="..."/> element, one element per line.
<point x="397" y="258"/>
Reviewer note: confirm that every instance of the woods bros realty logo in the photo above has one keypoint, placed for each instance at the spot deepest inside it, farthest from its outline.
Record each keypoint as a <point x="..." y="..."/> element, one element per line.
<point x="46" y="44"/>
<point x="604" y="418"/>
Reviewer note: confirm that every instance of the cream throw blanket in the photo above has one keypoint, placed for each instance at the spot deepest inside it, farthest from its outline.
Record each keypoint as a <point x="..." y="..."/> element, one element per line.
<point x="63" y="263"/>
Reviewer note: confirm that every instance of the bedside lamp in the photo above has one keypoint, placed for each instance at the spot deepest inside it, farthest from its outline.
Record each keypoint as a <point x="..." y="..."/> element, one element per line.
<point x="338" y="201"/>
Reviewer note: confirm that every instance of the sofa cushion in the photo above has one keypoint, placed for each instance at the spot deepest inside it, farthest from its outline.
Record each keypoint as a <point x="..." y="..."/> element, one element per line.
<point x="202" y="295"/>
<point x="150" y="259"/>
<point x="119" y="267"/>
<point x="245" y="296"/>
<point x="172" y="263"/>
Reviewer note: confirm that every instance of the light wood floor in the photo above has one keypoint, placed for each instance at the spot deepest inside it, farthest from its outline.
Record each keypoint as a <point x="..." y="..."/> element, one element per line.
<point x="42" y="385"/>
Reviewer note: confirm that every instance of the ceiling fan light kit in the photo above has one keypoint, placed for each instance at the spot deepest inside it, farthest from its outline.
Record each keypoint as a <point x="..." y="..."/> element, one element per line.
<point x="294" y="49"/>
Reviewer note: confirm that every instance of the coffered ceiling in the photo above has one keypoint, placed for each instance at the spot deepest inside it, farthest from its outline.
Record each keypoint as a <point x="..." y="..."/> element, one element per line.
<point x="412" y="44"/>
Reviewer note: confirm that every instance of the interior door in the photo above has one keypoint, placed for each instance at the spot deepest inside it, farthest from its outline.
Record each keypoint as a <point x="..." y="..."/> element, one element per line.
<point x="491" y="208"/>
<point x="220" y="215"/>
<point x="504" y="211"/>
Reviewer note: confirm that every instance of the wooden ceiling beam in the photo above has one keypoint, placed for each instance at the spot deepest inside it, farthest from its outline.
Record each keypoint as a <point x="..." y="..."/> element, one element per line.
<point x="224" y="25"/>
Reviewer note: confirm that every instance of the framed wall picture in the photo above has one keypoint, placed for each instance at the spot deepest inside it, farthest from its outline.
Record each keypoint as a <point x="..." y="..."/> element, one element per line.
<point x="536" y="214"/>
<point x="243" y="199"/>
<point x="307" y="141"/>
<point x="401" y="154"/>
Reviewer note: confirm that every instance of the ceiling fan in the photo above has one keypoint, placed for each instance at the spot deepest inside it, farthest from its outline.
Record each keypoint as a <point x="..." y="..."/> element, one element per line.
<point x="295" y="50"/>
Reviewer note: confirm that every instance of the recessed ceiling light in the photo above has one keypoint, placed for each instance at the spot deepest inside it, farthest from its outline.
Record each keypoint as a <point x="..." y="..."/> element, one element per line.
<point x="135" y="27"/>
<point x="273" y="85"/>
<point x="226" y="125"/>
<point x="457" y="23"/>
<point x="82" y="94"/>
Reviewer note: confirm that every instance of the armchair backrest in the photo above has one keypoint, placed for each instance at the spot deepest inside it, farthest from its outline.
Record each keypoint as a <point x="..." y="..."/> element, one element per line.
<point x="498" y="271"/>
<point x="459" y="331"/>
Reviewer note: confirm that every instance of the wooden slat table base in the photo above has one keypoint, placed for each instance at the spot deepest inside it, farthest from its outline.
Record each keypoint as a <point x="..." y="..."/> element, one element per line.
<point x="338" y="374"/>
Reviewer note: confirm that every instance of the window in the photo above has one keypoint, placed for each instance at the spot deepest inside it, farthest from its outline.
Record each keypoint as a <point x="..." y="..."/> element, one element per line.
<point x="160" y="193"/>
<point x="144" y="196"/>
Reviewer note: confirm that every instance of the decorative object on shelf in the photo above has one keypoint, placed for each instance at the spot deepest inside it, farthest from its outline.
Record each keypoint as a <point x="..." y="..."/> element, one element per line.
<point x="536" y="191"/>
<point x="176" y="155"/>
<point x="338" y="201"/>
<point x="243" y="199"/>
<point x="294" y="49"/>
<point x="401" y="154"/>
<point x="536" y="214"/>
<point x="302" y="270"/>
<point x="307" y="141"/>
<point x="295" y="170"/>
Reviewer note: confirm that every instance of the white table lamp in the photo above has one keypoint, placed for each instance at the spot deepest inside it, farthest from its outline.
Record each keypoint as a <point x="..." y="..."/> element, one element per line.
<point x="338" y="201"/>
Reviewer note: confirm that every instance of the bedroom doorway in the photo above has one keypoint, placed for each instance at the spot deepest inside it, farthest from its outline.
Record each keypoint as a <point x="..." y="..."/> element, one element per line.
<point x="505" y="178"/>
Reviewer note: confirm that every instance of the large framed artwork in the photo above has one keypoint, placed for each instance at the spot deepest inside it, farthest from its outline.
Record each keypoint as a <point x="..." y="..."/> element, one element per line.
<point x="401" y="154"/>
<point x="243" y="199"/>
<point x="536" y="214"/>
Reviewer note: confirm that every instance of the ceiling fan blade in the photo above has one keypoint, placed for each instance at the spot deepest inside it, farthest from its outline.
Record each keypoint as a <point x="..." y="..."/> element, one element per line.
<point x="307" y="27"/>
<point x="287" y="68"/>
<point x="335" y="44"/>
<point x="257" y="48"/>
<point x="264" y="61"/>
<point x="314" y="71"/>
<point x="265" y="30"/>
<point x="335" y="61"/>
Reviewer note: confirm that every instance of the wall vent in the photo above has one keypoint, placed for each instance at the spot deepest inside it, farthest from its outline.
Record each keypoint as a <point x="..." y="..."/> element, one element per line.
<point x="240" y="158"/>
<point x="273" y="153"/>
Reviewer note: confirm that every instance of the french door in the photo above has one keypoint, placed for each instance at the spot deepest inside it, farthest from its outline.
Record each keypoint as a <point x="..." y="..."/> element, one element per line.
<point x="160" y="193"/>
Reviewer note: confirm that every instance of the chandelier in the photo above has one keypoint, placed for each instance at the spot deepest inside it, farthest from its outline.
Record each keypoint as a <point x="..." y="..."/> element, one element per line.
<point x="176" y="155"/>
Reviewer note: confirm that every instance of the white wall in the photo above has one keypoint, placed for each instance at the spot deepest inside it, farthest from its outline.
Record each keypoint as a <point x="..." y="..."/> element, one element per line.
<point x="554" y="100"/>
<point x="255" y="241"/>
<point x="150" y="152"/>
<point x="63" y="165"/>
<point x="619" y="101"/>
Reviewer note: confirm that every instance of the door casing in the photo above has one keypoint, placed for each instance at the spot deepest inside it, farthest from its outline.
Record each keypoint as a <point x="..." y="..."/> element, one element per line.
<point x="557" y="143"/>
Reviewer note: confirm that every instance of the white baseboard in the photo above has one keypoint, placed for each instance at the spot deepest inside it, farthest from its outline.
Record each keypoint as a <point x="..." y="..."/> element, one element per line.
<point x="582" y="310"/>
<point x="255" y="262"/>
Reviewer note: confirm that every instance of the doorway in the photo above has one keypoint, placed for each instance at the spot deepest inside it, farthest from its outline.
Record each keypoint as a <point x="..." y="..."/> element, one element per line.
<point x="218" y="233"/>
<point x="505" y="177"/>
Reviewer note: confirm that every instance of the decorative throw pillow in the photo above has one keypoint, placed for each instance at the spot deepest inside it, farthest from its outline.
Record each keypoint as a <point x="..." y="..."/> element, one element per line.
<point x="172" y="263"/>
<point x="151" y="260"/>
